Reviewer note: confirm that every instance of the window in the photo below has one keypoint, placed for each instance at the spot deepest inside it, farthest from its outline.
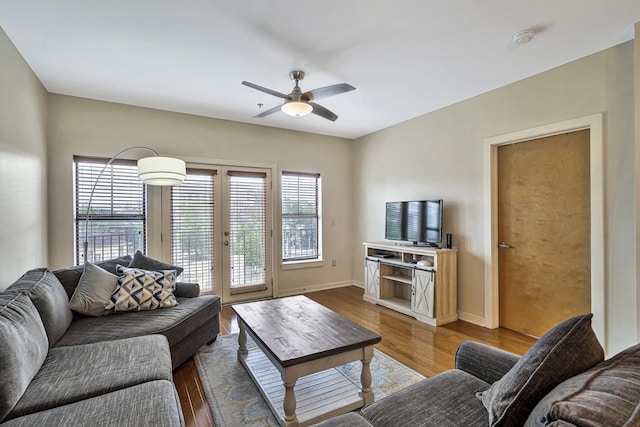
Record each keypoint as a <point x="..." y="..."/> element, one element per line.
<point x="117" y="219"/>
<point x="192" y="228"/>
<point x="300" y="216"/>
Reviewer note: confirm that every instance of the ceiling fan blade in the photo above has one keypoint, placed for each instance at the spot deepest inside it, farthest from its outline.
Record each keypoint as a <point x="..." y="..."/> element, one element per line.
<point x="266" y="90"/>
<point x="323" y="112"/>
<point x="268" y="112"/>
<point x="327" y="91"/>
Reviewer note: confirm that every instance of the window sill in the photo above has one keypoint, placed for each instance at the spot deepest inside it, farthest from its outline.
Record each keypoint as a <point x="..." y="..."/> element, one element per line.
<point x="294" y="265"/>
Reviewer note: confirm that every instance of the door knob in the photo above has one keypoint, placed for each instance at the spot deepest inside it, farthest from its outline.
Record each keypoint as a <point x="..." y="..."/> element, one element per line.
<point x="226" y="243"/>
<point x="226" y="233"/>
<point x="503" y="245"/>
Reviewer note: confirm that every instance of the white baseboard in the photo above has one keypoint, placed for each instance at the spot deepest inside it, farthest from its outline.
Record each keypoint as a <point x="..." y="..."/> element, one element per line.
<point x="315" y="288"/>
<point x="471" y="318"/>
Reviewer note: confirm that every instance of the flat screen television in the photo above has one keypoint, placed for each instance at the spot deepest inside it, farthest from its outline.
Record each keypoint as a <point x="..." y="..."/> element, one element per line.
<point x="414" y="222"/>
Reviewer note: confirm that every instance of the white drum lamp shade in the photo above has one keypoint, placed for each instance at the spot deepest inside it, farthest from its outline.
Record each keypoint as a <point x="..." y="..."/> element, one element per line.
<point x="296" y="108"/>
<point x="165" y="171"/>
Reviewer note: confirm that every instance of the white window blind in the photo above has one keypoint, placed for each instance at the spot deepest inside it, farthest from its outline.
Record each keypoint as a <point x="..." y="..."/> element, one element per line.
<point x="300" y="216"/>
<point x="247" y="229"/>
<point x="117" y="215"/>
<point x="192" y="228"/>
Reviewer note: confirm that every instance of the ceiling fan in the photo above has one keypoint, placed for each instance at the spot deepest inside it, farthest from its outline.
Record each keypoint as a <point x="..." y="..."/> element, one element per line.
<point x="298" y="104"/>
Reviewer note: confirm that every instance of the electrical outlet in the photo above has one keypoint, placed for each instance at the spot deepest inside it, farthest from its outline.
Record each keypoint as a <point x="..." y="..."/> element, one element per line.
<point x="333" y="262"/>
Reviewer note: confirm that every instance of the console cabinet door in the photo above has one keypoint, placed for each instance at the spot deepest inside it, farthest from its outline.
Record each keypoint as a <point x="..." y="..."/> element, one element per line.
<point x="372" y="278"/>
<point x="423" y="291"/>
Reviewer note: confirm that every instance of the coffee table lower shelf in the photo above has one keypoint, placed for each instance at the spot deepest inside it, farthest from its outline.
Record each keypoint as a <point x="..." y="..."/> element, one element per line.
<point x="319" y="396"/>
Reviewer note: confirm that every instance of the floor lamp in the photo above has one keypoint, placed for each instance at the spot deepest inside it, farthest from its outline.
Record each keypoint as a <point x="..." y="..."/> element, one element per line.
<point x="155" y="170"/>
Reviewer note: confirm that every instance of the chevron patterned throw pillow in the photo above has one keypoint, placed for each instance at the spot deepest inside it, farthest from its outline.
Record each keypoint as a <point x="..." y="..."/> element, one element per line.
<point x="143" y="290"/>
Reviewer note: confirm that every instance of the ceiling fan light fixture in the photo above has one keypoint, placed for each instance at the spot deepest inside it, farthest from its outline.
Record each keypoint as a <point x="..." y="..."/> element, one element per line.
<point x="296" y="108"/>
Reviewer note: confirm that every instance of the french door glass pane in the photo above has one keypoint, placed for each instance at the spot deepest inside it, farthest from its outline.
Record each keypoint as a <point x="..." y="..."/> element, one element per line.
<point x="247" y="230"/>
<point x="192" y="228"/>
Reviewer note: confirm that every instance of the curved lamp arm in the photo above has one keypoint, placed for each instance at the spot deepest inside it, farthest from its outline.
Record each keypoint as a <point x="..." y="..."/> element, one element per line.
<point x="177" y="177"/>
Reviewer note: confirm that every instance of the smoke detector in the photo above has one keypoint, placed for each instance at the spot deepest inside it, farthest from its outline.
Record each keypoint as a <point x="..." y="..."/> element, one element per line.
<point x="523" y="37"/>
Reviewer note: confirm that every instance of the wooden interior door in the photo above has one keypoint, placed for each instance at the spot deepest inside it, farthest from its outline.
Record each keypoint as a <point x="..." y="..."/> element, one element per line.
<point x="544" y="220"/>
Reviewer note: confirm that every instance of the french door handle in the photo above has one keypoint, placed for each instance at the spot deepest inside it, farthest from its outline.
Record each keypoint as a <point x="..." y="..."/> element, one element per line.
<point x="226" y="243"/>
<point x="503" y="245"/>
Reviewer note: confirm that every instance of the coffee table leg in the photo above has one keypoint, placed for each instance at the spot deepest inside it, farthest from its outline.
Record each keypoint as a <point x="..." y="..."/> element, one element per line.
<point x="242" y="341"/>
<point x="365" y="376"/>
<point x="289" y="378"/>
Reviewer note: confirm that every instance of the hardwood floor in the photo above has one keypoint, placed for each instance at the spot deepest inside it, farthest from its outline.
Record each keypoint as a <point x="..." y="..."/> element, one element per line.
<point x="425" y="349"/>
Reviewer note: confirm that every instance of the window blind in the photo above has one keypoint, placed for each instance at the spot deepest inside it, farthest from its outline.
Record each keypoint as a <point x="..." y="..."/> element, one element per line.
<point x="247" y="230"/>
<point x="117" y="216"/>
<point x="192" y="228"/>
<point x="300" y="216"/>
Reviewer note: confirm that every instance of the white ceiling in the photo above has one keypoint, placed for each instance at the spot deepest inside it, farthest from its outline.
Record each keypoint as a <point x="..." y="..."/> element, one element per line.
<point x="405" y="57"/>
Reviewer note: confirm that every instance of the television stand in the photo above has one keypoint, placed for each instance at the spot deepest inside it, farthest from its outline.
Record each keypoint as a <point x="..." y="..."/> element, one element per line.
<point x="419" y="281"/>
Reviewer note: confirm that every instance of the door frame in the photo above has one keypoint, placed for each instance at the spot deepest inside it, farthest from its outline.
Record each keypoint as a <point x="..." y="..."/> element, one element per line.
<point x="594" y="123"/>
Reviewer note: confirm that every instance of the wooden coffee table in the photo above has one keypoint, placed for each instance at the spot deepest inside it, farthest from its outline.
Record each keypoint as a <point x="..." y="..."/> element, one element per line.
<point x="304" y="342"/>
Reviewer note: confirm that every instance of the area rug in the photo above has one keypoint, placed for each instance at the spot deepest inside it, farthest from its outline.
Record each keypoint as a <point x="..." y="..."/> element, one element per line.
<point x="235" y="401"/>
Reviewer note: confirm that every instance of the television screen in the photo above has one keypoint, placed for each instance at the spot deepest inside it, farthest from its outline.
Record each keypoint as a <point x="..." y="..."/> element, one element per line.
<point x="414" y="221"/>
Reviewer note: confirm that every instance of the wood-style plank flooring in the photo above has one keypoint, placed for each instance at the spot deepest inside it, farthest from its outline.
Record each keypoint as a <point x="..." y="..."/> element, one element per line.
<point x="425" y="349"/>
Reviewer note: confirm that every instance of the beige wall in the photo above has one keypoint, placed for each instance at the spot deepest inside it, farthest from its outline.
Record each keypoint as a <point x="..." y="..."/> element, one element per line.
<point x="23" y="173"/>
<point x="86" y="127"/>
<point x="440" y="155"/>
<point x="637" y="157"/>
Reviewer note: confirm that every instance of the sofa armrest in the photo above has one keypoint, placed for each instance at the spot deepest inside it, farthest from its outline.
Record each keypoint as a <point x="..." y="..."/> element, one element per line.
<point x="484" y="362"/>
<point x="186" y="290"/>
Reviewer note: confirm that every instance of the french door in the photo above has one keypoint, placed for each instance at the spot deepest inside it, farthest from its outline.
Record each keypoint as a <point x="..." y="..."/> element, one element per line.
<point x="220" y="230"/>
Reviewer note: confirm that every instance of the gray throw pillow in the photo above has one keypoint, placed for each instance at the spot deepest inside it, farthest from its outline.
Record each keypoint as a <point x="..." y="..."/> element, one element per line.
<point x="69" y="277"/>
<point x="23" y="347"/>
<point x="143" y="262"/>
<point x="566" y="350"/>
<point x="608" y="396"/>
<point x="94" y="291"/>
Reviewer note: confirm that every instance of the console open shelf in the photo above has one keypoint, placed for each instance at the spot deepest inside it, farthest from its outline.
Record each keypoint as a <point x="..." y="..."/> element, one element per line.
<point x="401" y="279"/>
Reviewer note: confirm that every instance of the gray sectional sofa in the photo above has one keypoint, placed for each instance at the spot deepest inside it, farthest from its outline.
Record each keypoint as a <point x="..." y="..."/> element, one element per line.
<point x="59" y="368"/>
<point x="562" y="381"/>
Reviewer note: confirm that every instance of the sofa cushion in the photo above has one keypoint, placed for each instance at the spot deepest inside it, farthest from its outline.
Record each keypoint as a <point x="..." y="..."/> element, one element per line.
<point x="144" y="262"/>
<point x="153" y="403"/>
<point x="94" y="291"/>
<point x="606" y="395"/>
<point x="71" y="374"/>
<point x="445" y="400"/>
<point x="69" y="277"/>
<point x="23" y="347"/>
<point x="566" y="350"/>
<point x="49" y="297"/>
<point x="350" y="419"/>
<point x="174" y="323"/>
<point x="143" y="290"/>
